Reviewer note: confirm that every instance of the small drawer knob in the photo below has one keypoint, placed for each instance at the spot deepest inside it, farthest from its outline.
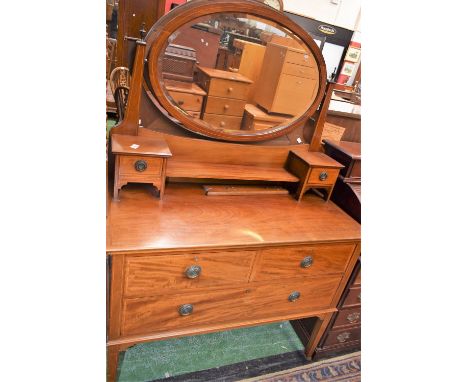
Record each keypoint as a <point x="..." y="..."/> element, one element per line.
<point x="193" y="271"/>
<point x="180" y="102"/>
<point x="222" y="124"/>
<point x="141" y="165"/>
<point x="343" y="337"/>
<point x="186" y="309"/>
<point x="294" y="296"/>
<point x="353" y="317"/>
<point x="323" y="176"/>
<point x="307" y="262"/>
<point x="226" y="107"/>
<point x="230" y="90"/>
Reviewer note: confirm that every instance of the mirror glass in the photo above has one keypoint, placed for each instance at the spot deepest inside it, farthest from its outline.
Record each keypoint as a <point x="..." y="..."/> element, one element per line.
<point x="238" y="73"/>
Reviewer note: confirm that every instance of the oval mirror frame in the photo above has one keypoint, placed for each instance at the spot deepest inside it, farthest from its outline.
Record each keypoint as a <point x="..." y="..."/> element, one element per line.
<point x="157" y="41"/>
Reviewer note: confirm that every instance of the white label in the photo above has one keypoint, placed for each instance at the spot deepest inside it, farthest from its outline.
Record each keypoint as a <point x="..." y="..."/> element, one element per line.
<point x="299" y="140"/>
<point x="134" y="146"/>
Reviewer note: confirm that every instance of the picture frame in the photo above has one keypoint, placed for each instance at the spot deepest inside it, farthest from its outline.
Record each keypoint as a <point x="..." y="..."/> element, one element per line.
<point x="353" y="54"/>
<point x="348" y="69"/>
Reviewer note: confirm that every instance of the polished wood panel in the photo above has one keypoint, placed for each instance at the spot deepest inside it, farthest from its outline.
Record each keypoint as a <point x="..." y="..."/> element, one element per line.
<point x="300" y="57"/>
<point x="286" y="262"/>
<point x="314" y="176"/>
<point x="157" y="314"/>
<point x="122" y="144"/>
<point x="294" y="94"/>
<point x="300" y="71"/>
<point x="152" y="275"/>
<point x="141" y="222"/>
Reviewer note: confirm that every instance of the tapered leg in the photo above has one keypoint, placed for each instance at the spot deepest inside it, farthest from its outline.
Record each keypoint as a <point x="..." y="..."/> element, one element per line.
<point x="317" y="331"/>
<point x="112" y="362"/>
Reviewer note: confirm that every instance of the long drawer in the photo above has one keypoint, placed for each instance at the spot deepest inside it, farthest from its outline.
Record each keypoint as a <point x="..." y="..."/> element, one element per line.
<point x="229" y="305"/>
<point x="348" y="317"/>
<point x="150" y="275"/>
<point x="342" y="336"/>
<point x="302" y="261"/>
<point x="225" y="106"/>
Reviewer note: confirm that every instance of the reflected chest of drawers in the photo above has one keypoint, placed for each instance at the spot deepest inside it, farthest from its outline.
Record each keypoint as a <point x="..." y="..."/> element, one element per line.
<point x="226" y="99"/>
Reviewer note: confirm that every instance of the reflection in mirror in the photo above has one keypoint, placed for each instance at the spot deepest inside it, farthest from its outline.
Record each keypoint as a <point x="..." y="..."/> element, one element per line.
<point x="238" y="73"/>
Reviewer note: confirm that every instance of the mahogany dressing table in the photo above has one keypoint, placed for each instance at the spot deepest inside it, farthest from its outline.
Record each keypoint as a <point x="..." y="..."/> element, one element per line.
<point x="189" y="263"/>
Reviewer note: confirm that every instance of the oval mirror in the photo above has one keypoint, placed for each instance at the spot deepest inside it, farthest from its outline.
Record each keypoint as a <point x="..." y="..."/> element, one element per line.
<point x="237" y="71"/>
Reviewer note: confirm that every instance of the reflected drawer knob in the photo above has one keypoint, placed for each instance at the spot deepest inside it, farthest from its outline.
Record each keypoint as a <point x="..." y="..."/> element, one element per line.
<point x="186" y="309"/>
<point x="180" y="102"/>
<point x="230" y="89"/>
<point x="141" y="165"/>
<point x="193" y="271"/>
<point x="222" y="124"/>
<point x="294" y="296"/>
<point x="226" y="107"/>
<point x="307" y="262"/>
<point x="353" y="317"/>
<point x="323" y="176"/>
<point x="343" y="337"/>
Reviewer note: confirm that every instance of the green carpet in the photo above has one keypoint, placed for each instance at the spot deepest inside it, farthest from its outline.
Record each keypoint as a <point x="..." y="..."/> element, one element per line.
<point x="160" y="359"/>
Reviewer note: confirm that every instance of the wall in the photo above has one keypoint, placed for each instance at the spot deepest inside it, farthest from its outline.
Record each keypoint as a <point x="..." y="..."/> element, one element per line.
<point x="344" y="14"/>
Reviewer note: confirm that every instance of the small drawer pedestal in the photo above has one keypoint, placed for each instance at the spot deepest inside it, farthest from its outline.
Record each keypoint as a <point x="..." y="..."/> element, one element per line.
<point x="315" y="170"/>
<point x="139" y="160"/>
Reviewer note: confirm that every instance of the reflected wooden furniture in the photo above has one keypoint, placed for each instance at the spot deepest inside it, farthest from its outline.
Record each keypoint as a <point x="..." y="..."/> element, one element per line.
<point x="315" y="170"/>
<point x="288" y="81"/>
<point x="188" y="96"/>
<point x="256" y="119"/>
<point x="349" y="155"/>
<point x="179" y="63"/>
<point x="139" y="159"/>
<point x="226" y="98"/>
<point x="175" y="269"/>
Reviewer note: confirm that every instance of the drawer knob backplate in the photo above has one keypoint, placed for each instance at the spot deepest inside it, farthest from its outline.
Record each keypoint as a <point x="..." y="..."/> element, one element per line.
<point x="294" y="296"/>
<point x="323" y="176"/>
<point x="186" y="309"/>
<point x="353" y="317"/>
<point x="193" y="271"/>
<point x="307" y="262"/>
<point x="343" y="337"/>
<point x="141" y="165"/>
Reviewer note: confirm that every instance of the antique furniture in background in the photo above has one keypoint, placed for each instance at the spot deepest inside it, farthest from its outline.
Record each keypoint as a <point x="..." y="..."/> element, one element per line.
<point x="190" y="263"/>
<point x="141" y="160"/>
<point x="343" y="332"/>
<point x="179" y="63"/>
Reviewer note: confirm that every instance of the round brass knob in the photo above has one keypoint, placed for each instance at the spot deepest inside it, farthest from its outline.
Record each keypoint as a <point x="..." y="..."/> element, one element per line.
<point x="353" y="317"/>
<point x="193" y="271"/>
<point x="294" y="296"/>
<point x="186" y="309"/>
<point x="222" y="124"/>
<point x="230" y="89"/>
<point x="307" y="262"/>
<point x="141" y="165"/>
<point x="226" y="107"/>
<point x="323" y="176"/>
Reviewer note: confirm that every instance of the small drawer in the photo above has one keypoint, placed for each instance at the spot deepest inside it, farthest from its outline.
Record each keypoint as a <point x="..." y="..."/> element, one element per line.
<point x="225" y="106"/>
<point x="150" y="275"/>
<point x="353" y="297"/>
<point x="300" y="70"/>
<point x="228" y="89"/>
<point x="348" y="317"/>
<point x="129" y="164"/>
<point x="303" y="261"/>
<point x="304" y="59"/>
<point x="325" y="176"/>
<point x="186" y="101"/>
<point x="342" y="337"/>
<point x="223" y="121"/>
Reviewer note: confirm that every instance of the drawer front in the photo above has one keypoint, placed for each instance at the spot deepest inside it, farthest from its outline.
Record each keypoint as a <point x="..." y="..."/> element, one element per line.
<point x="342" y="336"/>
<point x="223" y="121"/>
<point x="304" y="59"/>
<point x="300" y="71"/>
<point x="127" y="165"/>
<point x="225" y="106"/>
<point x="348" y="317"/>
<point x="353" y="297"/>
<point x="189" y="102"/>
<point x="227" y="306"/>
<point x="150" y="275"/>
<point x="316" y="174"/>
<point x="294" y="94"/>
<point x="303" y="261"/>
<point x="228" y="89"/>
